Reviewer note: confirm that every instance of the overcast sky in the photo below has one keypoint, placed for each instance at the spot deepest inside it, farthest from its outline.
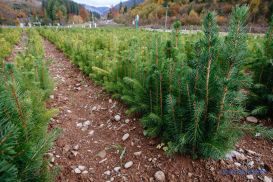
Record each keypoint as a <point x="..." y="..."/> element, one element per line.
<point x="99" y="2"/>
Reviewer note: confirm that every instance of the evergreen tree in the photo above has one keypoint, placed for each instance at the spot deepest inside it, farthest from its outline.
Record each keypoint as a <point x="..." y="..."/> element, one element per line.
<point x="260" y="100"/>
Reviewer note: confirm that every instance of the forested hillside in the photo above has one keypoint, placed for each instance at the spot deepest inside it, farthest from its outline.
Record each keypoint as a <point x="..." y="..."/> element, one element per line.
<point x="44" y="11"/>
<point x="191" y="12"/>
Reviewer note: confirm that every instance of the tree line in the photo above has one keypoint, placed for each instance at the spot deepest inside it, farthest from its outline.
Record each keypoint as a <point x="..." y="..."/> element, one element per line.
<point x="62" y="11"/>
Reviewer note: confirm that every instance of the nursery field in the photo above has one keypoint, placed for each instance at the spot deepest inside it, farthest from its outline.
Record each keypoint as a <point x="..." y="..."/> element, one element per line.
<point x="117" y="104"/>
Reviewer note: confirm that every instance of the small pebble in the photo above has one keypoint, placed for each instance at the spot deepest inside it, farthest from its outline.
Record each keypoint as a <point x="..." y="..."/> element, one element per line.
<point x="81" y="167"/>
<point x="267" y="179"/>
<point x="160" y="176"/>
<point x="117" y="169"/>
<point x="91" y="133"/>
<point x="108" y="173"/>
<point x="250" y="177"/>
<point x="117" y="117"/>
<point x="128" y="164"/>
<point x="76" y="147"/>
<point x="77" y="171"/>
<point x="137" y="153"/>
<point x="125" y="136"/>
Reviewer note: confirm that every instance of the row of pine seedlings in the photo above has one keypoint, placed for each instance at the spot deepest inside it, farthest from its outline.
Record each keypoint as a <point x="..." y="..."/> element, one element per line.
<point x="8" y="38"/>
<point x="189" y="90"/>
<point x="24" y="138"/>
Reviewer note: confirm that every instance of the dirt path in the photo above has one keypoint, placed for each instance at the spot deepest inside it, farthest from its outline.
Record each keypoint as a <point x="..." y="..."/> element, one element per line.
<point x="91" y="145"/>
<point x="18" y="48"/>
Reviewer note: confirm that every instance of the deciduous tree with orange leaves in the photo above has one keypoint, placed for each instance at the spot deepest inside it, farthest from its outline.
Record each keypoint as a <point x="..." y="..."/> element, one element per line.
<point x="84" y="14"/>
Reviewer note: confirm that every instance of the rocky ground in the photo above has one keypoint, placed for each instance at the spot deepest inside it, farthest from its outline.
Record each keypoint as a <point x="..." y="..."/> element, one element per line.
<point x="100" y="143"/>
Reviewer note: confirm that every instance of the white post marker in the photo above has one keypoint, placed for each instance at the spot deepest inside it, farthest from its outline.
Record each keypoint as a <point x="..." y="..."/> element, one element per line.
<point x="137" y="20"/>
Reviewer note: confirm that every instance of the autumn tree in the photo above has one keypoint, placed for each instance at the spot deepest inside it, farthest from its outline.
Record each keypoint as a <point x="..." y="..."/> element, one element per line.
<point x="84" y="14"/>
<point x="75" y="19"/>
<point x="254" y="8"/>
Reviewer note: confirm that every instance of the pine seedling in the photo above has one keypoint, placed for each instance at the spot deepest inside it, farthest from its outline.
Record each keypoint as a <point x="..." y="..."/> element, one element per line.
<point x="226" y="85"/>
<point x="176" y="26"/>
<point x="260" y="100"/>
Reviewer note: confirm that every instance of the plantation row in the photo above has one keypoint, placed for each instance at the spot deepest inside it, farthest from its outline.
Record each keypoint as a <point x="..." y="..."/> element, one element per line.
<point x="24" y="138"/>
<point x="190" y="90"/>
<point x="8" y="38"/>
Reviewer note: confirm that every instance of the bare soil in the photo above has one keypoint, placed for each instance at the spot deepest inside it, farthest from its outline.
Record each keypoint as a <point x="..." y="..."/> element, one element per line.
<point x="79" y="99"/>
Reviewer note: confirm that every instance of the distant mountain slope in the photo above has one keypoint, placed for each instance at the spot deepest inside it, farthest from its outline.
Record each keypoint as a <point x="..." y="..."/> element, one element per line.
<point x="10" y="10"/>
<point x="153" y="12"/>
<point x="99" y="10"/>
<point x="105" y="10"/>
<point x="13" y="12"/>
<point x="23" y="3"/>
<point x="129" y="3"/>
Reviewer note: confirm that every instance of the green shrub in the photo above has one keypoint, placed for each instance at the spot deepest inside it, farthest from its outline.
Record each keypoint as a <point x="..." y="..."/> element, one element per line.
<point x="260" y="101"/>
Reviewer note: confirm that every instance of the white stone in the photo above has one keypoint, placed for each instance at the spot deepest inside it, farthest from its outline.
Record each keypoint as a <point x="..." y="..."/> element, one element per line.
<point x="235" y="154"/>
<point x="76" y="147"/>
<point x="108" y="173"/>
<point x="137" y="153"/>
<point x="250" y="164"/>
<point x="81" y="167"/>
<point x="87" y="123"/>
<point x="127" y="121"/>
<point x="110" y="101"/>
<point x="85" y="172"/>
<point x="79" y="125"/>
<point x="125" y="136"/>
<point x="117" y="169"/>
<point x="160" y="176"/>
<point x="91" y="133"/>
<point x="267" y="179"/>
<point x="117" y="117"/>
<point x="237" y="164"/>
<point x="77" y="171"/>
<point x="52" y="160"/>
<point x="251" y="152"/>
<point x="128" y="164"/>
<point x="51" y="96"/>
<point x="251" y="119"/>
<point x="250" y="177"/>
